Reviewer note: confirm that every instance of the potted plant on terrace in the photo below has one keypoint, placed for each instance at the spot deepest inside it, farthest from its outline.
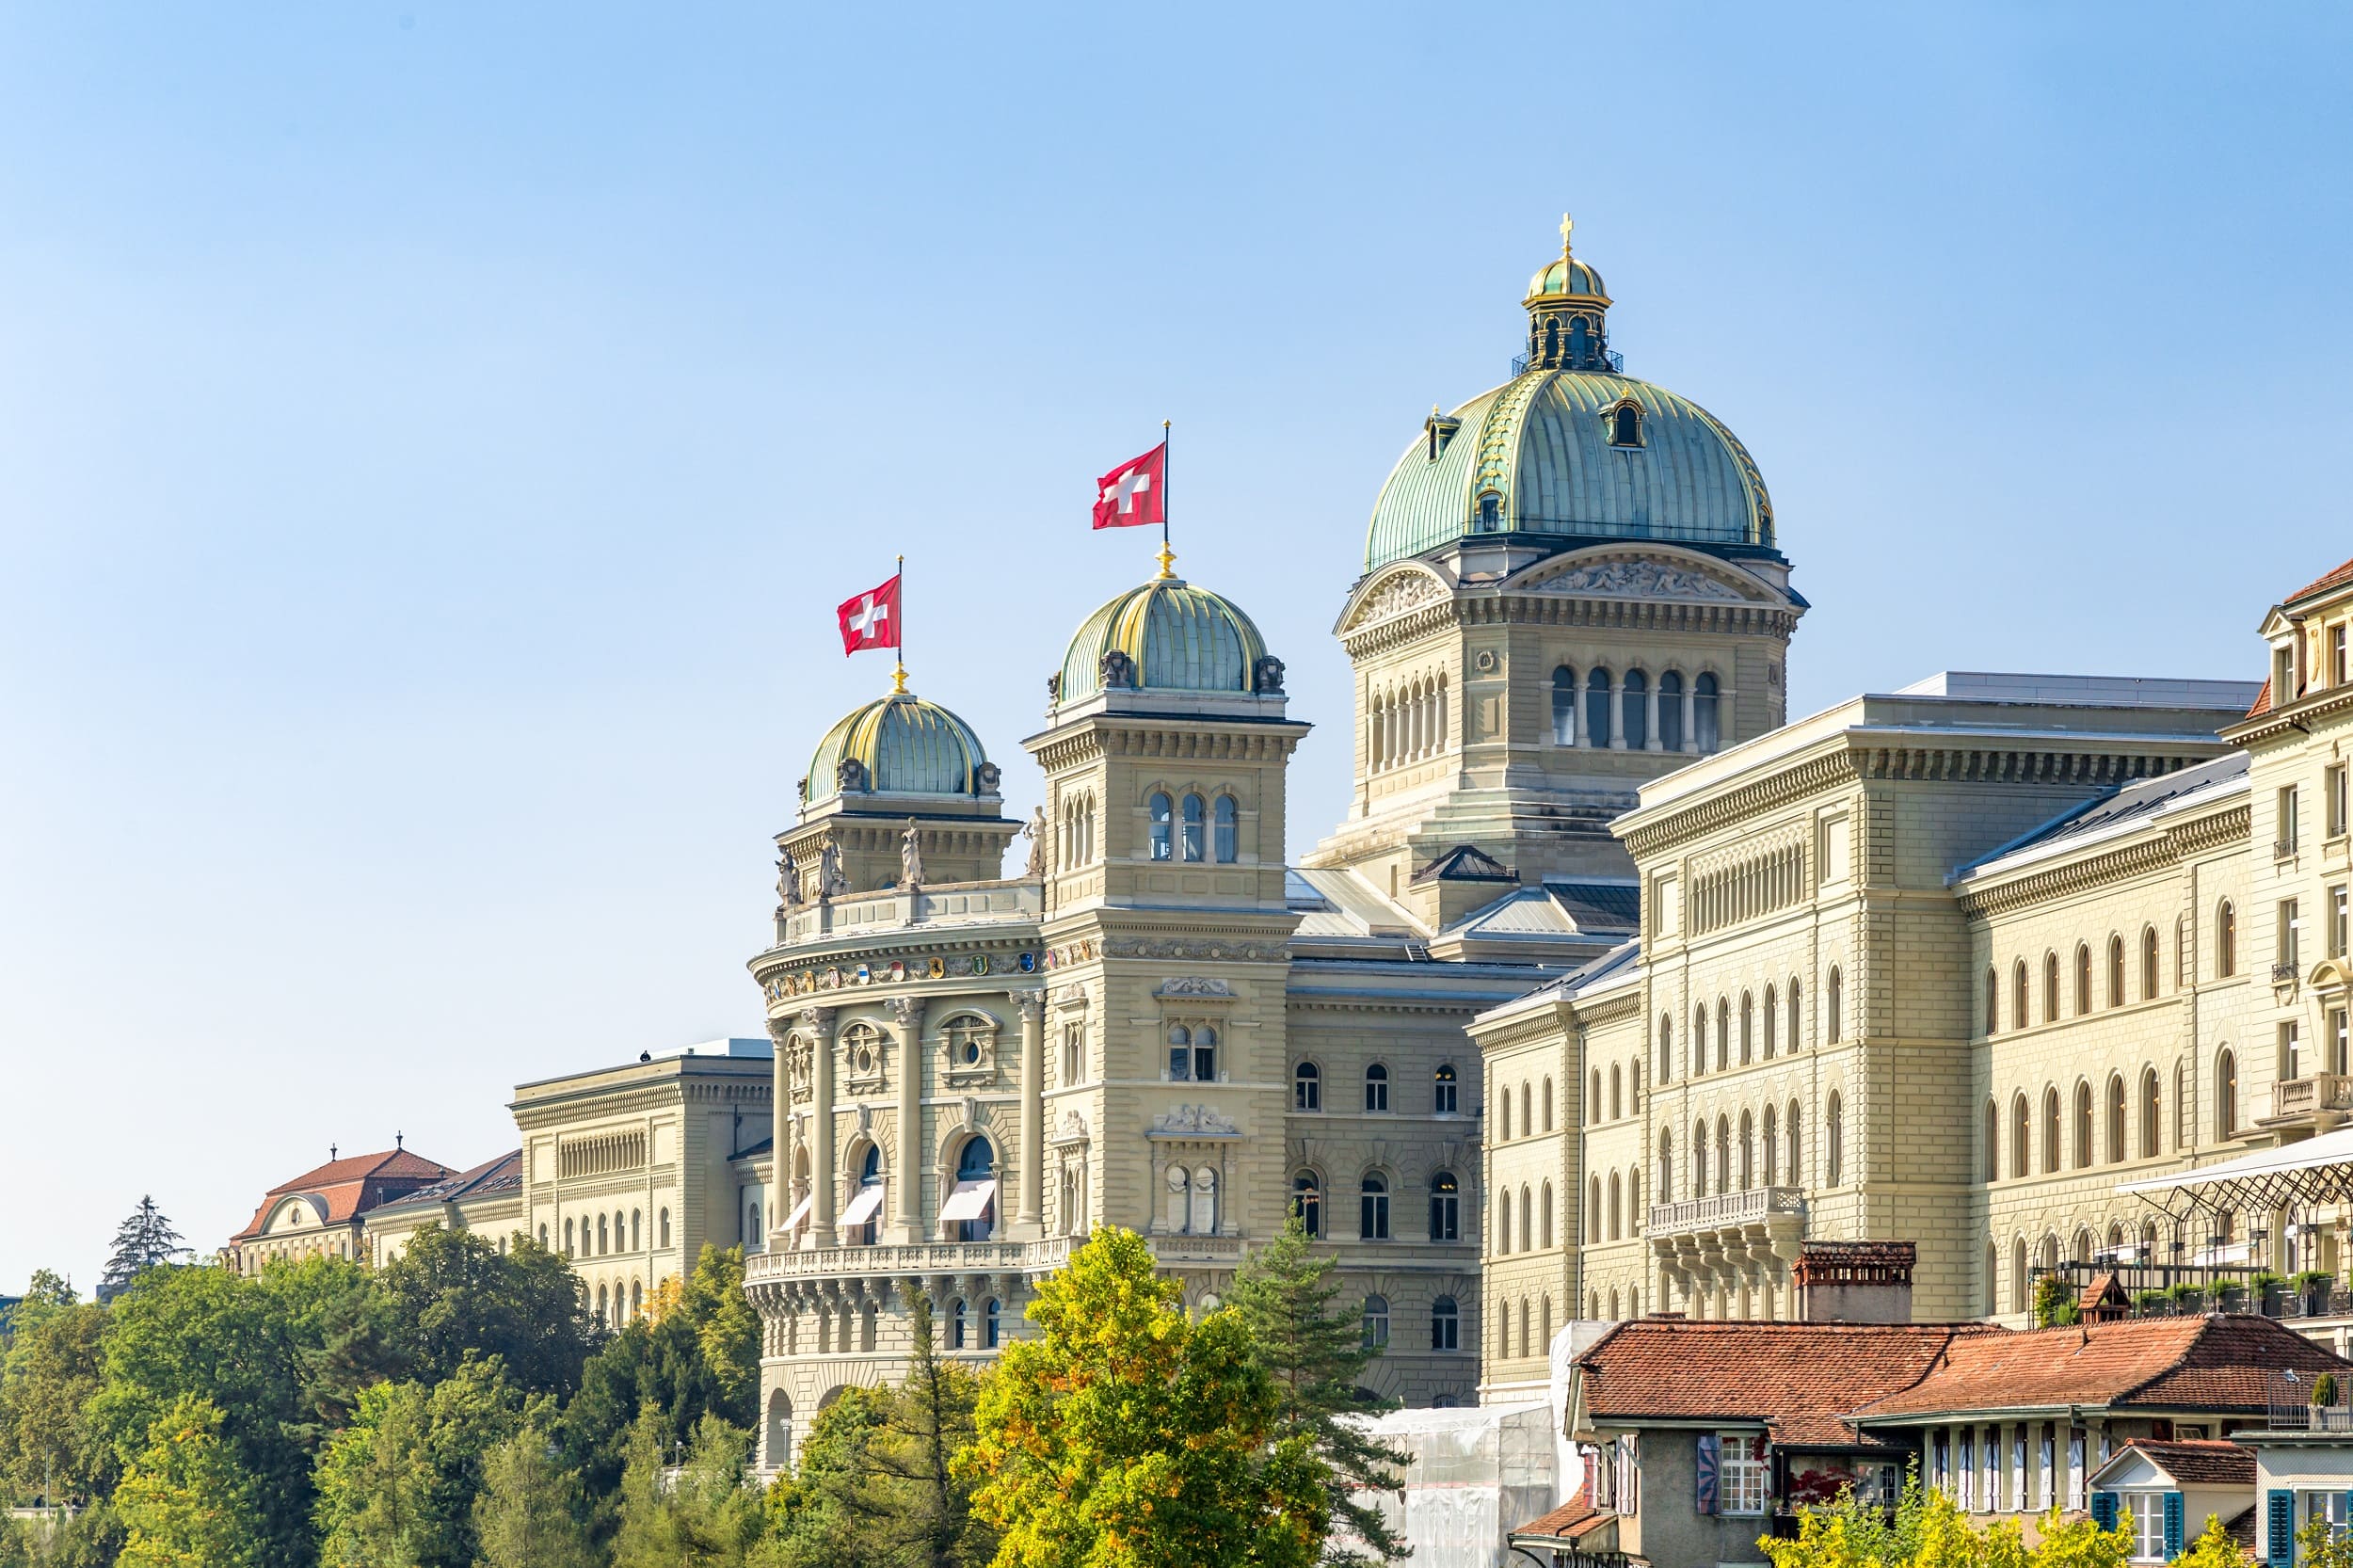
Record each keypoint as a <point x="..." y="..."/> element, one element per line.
<point x="2267" y="1289"/>
<point x="2188" y="1298"/>
<point x="2151" y="1303"/>
<point x="2229" y="1295"/>
<point x="2311" y="1290"/>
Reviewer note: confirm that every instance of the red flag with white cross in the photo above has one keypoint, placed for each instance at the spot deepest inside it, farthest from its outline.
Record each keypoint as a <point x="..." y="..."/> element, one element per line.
<point x="870" y="619"/>
<point x="1135" y="493"/>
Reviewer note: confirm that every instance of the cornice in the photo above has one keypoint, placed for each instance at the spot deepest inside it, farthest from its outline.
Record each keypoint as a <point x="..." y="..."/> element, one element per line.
<point x="1811" y="776"/>
<point x="2155" y="852"/>
<point x="2297" y="715"/>
<point x="1612" y="1009"/>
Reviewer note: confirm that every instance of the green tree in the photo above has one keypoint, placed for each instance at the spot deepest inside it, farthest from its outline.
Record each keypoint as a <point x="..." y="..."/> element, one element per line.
<point x="699" y="1516"/>
<point x="2316" y="1546"/>
<point x="531" y="1511"/>
<point x="1126" y="1432"/>
<point x="1927" y="1530"/>
<point x="1282" y="1295"/>
<point x="185" y="1500"/>
<point x="695" y="1352"/>
<point x="452" y="1295"/>
<point x="396" y="1488"/>
<point x="53" y="1368"/>
<point x="876" y="1483"/>
<point x="143" y="1241"/>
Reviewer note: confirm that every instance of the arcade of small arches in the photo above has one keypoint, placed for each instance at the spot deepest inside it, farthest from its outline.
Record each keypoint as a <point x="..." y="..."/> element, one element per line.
<point x="1629" y="710"/>
<point x="1767" y="1024"/>
<point x="1407" y="721"/>
<point x="2105" y="1126"/>
<point x="2120" y="972"/>
<point x="2136" y="1240"/>
<point x="1750" y="1152"/>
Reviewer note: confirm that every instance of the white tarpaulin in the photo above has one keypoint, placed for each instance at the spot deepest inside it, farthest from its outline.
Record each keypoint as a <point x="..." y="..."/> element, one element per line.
<point x="1473" y="1477"/>
<point x="864" y="1206"/>
<point x="969" y="1201"/>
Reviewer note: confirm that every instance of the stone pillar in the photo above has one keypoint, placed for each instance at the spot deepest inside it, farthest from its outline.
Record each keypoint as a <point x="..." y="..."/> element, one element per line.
<point x="1617" y="714"/>
<point x="1649" y="737"/>
<point x="819" y="1022"/>
<point x="1691" y="717"/>
<point x="780" y="1199"/>
<point x="906" y="1176"/>
<point x="1029" y="1207"/>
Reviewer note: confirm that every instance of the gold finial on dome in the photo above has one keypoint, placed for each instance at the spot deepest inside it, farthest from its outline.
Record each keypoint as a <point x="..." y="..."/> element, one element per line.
<point x="899" y="681"/>
<point x="1168" y="563"/>
<point x="1567" y="224"/>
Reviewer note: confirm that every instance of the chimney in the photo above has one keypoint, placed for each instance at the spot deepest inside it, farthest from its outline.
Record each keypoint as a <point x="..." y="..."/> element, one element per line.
<point x="1854" y="1282"/>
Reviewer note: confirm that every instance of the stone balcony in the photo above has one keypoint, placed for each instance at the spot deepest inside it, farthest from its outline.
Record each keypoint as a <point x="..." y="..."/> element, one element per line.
<point x="2320" y="1102"/>
<point x="890" y="909"/>
<point x="873" y="1271"/>
<point x="1732" y="1240"/>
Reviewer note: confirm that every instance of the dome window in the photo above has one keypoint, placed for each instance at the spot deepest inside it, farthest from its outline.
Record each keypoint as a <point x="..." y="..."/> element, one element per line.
<point x="1161" y="809"/>
<point x="1625" y="423"/>
<point x="1490" y="512"/>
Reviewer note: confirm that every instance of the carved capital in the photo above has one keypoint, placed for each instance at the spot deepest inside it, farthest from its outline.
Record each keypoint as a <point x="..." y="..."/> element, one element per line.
<point x="906" y="1012"/>
<point x="1032" y="1003"/>
<point x="819" y="1020"/>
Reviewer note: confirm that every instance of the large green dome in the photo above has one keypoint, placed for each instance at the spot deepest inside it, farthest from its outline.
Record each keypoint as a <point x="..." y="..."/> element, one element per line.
<point x="1547" y="453"/>
<point x="1170" y="636"/>
<point x="900" y="746"/>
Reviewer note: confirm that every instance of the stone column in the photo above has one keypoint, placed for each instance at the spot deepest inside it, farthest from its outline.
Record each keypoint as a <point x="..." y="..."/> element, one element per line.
<point x="780" y="1129"/>
<point x="818" y="1022"/>
<point x="1690" y="718"/>
<point x="1617" y="712"/>
<point x="1650" y="736"/>
<point x="906" y="1176"/>
<point x="1029" y="1207"/>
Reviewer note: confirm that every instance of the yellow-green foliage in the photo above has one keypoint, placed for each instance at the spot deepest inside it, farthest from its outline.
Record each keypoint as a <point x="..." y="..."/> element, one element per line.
<point x="1929" y="1531"/>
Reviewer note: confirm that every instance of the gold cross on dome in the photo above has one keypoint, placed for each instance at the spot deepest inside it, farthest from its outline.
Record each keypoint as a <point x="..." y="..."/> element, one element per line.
<point x="1567" y="224"/>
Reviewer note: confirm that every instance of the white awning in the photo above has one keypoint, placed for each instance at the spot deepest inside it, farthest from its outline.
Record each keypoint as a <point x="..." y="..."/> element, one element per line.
<point x="969" y="1201"/>
<point x="800" y="1213"/>
<point x="864" y="1206"/>
<point x="2318" y="1169"/>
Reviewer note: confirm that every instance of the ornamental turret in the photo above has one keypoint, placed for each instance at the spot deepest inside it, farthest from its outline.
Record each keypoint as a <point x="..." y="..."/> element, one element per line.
<point x="1568" y="314"/>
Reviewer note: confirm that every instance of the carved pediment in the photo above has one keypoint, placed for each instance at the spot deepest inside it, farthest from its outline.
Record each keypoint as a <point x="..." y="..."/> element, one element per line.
<point x="1635" y="579"/>
<point x="1406" y="590"/>
<point x="1195" y="985"/>
<point x="1193" y="1121"/>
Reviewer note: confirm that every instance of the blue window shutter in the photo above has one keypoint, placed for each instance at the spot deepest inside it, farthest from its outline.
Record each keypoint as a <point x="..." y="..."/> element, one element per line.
<point x="2172" y="1525"/>
<point x="2280" y="1528"/>
<point x="1704" y="1471"/>
<point x="2103" y="1510"/>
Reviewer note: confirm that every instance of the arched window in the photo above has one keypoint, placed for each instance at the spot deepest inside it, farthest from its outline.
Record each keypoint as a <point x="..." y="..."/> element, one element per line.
<point x="1306" y="1088"/>
<point x="1564" y="706"/>
<point x="1992" y="1288"/>
<point x="2019" y="1017"/>
<point x="1307" y="1202"/>
<point x="1196" y="816"/>
<point x="604" y="1240"/>
<point x="2050" y="988"/>
<point x="1992" y="1142"/>
<point x="2050" y="1130"/>
<point x="1527" y="1114"/>
<point x="2116" y="1118"/>
<point x="1161" y="809"/>
<point x="1503" y="1108"/>
<point x="604" y="1313"/>
<point x="2083" y="978"/>
<point x="1748" y="1152"/>
<point x="1723" y="1033"/>
<point x="1445" y="1208"/>
<point x="1748" y="1027"/>
<point x="1670" y="711"/>
<point x="1528" y="1217"/>
<point x="1703" y="721"/>
<point x="1723" y="1155"/>
<point x="1592" y="1208"/>
<point x="664" y="1222"/>
<point x="959" y="1326"/>
<point x="1195" y="1062"/>
<point x="1666" y="1167"/>
<point x="1598" y="707"/>
<point x="860" y="1233"/>
<point x="2226" y="940"/>
<point x="1490" y="512"/>
<point x="1795" y="1039"/>
<point x="2152" y="1115"/>
<point x="1445" y="1326"/>
<point x="2148" y="962"/>
<point x="1376" y="1087"/>
<point x="1833" y="997"/>
<point x="1617" y="1104"/>
<point x="1225" y="828"/>
<point x="567" y="1238"/>
<point x="1699" y="1159"/>
<point x="1376" y="1321"/>
<point x="1992" y="1000"/>
<point x="2018" y="1275"/>
<point x="637" y="1229"/>
<point x="1625" y="425"/>
<point x="1617" y="1201"/>
<point x="2226" y="1095"/>
<point x="1503" y="1225"/>
<point x="543" y="1237"/>
<point x="1373" y="1219"/>
<point x="972" y="1206"/>
<point x="2115" y="970"/>
<point x="1665" y="1071"/>
<point x="2083" y="1124"/>
<point x="1699" y="1040"/>
<point x="1634" y="710"/>
<point x="1833" y="1139"/>
<point x="1772" y="1020"/>
<point x="992" y="1325"/>
<point x="1548" y="1105"/>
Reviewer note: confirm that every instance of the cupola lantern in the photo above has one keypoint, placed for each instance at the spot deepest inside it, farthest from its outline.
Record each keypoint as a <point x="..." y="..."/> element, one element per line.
<point x="1568" y="314"/>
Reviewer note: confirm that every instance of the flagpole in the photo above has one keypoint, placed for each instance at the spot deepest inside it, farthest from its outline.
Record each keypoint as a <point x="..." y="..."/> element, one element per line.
<point x="898" y="678"/>
<point x="1168" y="557"/>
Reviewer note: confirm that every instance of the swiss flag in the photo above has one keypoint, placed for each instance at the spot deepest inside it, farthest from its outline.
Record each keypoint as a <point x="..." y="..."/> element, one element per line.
<point x="870" y="619"/>
<point x="1135" y="493"/>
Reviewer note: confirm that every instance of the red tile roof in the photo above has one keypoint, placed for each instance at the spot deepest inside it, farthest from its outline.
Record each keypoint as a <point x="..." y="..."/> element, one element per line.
<point x="2216" y="1362"/>
<point x="1572" y="1520"/>
<point x="2262" y="703"/>
<point x="2201" y="1461"/>
<point x="351" y="1186"/>
<point x="1799" y="1379"/>
<point x="2343" y="574"/>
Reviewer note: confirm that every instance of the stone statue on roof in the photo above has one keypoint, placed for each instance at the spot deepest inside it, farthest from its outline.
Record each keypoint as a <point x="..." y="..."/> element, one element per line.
<point x="1035" y="833"/>
<point x="911" y="857"/>
<point x="787" y="880"/>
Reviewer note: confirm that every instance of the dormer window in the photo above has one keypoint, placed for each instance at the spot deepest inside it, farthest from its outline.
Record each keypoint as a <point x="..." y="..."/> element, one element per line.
<point x="1624" y="423"/>
<point x="1490" y="512"/>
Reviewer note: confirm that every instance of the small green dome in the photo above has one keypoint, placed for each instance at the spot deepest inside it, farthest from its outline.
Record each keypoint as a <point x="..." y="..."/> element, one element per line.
<point x="1568" y="277"/>
<point x="901" y="745"/>
<point x="1171" y="636"/>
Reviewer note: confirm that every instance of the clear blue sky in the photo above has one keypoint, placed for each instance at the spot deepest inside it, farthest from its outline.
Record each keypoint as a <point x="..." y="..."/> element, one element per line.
<point x="432" y="438"/>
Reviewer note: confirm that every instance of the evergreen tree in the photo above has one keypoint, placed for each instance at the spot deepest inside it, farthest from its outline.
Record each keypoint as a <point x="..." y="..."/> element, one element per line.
<point x="396" y="1488"/>
<point x="530" y="1509"/>
<point x="145" y="1241"/>
<point x="1283" y="1294"/>
<point x="1128" y="1432"/>
<point x="185" y="1500"/>
<point x="700" y="1514"/>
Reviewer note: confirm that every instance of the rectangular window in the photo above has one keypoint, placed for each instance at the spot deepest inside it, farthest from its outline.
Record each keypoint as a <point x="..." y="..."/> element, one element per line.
<point x="2291" y="1053"/>
<point x="2338" y="1046"/>
<point x="2141" y="1517"/>
<point x="1740" y="1484"/>
<point x="2289" y="925"/>
<point x="2332" y="792"/>
<point x="2339" y="928"/>
<point x="2327" y="1505"/>
<point x="2285" y="845"/>
<point x="2340" y="667"/>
